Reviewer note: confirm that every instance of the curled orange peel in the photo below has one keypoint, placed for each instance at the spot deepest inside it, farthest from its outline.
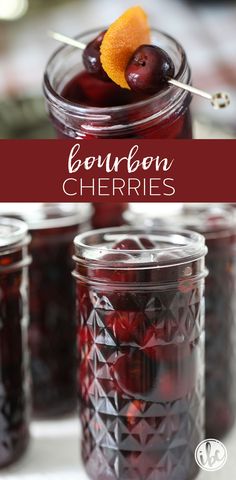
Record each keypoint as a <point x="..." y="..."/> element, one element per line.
<point x="121" y="40"/>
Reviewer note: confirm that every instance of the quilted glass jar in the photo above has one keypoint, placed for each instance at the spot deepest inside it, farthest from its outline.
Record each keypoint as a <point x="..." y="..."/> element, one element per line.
<point x="52" y="326"/>
<point x="218" y="225"/>
<point x="14" y="372"/>
<point x="52" y="333"/>
<point x="141" y="352"/>
<point x="106" y="215"/>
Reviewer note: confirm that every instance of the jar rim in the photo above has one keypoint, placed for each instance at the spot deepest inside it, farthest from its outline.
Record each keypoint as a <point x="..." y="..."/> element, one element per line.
<point x="12" y="231"/>
<point x="103" y="113"/>
<point x="184" y="246"/>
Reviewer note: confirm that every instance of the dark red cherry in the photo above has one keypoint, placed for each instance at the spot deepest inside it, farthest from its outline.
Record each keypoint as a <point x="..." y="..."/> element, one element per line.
<point x="149" y="69"/>
<point x="92" y="60"/>
<point x="147" y="243"/>
<point x="126" y="326"/>
<point x="128" y="243"/>
<point x="134" y="372"/>
<point x="116" y="257"/>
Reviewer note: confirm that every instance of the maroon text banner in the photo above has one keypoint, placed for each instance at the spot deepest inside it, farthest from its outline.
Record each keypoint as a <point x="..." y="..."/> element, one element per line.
<point x="117" y="171"/>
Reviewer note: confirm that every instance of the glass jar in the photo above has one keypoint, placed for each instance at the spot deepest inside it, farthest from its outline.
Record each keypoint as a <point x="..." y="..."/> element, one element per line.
<point x="218" y="225"/>
<point x="141" y="348"/>
<point x="14" y="378"/>
<point x="52" y="330"/>
<point x="165" y="115"/>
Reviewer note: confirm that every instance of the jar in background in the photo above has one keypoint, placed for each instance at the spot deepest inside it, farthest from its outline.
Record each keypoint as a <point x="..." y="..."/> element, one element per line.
<point x="141" y="352"/>
<point x="52" y="330"/>
<point x="218" y="225"/>
<point x="14" y="371"/>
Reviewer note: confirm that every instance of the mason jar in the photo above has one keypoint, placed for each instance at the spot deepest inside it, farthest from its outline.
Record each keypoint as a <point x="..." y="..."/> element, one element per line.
<point x="83" y="107"/>
<point x="217" y="222"/>
<point x="107" y="215"/>
<point x="141" y="352"/>
<point x="14" y="371"/>
<point x="218" y="225"/>
<point x="52" y="328"/>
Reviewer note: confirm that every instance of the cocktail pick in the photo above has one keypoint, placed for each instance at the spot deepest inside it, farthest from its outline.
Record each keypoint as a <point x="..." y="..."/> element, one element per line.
<point x="218" y="100"/>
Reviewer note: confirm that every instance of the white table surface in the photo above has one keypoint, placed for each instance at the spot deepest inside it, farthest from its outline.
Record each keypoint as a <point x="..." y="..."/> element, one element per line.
<point x="54" y="455"/>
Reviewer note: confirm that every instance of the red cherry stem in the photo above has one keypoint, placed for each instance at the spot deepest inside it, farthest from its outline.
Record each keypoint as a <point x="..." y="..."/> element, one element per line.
<point x="218" y="100"/>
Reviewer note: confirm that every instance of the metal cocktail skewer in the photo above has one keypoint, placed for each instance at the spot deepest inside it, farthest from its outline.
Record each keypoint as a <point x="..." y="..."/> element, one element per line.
<point x="68" y="40"/>
<point x="218" y="100"/>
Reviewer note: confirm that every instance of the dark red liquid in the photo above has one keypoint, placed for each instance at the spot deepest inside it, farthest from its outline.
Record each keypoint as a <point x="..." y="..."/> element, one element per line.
<point x="14" y="385"/>
<point x="86" y="90"/>
<point x="140" y="375"/>
<point x="108" y="214"/>
<point x="220" y="292"/>
<point x="220" y="328"/>
<point x="52" y="322"/>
